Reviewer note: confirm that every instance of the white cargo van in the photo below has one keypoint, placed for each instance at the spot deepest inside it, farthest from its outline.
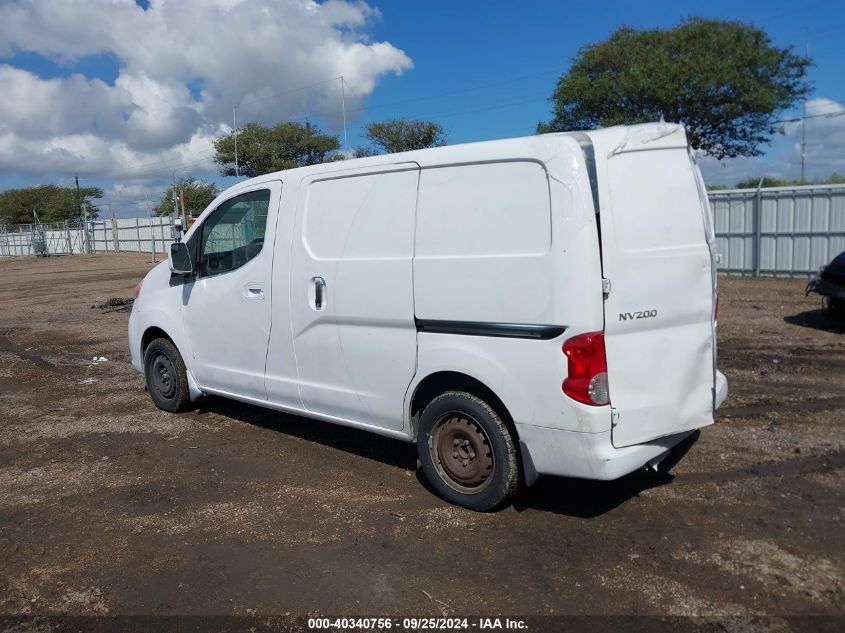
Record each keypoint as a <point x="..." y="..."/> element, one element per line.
<point x="540" y="305"/>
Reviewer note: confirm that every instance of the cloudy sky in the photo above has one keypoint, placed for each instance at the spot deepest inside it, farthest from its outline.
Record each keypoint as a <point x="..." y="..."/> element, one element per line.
<point x="128" y="93"/>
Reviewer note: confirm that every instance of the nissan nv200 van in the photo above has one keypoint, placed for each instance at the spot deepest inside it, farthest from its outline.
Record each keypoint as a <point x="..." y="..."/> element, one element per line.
<point x="538" y="305"/>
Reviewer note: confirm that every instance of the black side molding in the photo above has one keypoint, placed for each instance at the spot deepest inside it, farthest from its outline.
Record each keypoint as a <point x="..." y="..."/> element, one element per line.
<point x="500" y="330"/>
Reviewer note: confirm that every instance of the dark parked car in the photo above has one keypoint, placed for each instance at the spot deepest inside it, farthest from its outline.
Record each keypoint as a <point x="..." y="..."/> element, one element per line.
<point x="830" y="283"/>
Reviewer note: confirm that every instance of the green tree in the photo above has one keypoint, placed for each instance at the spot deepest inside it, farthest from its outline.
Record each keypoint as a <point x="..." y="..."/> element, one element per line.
<point x="752" y="183"/>
<point x="51" y="203"/>
<point x="403" y="135"/>
<point x="198" y="195"/>
<point x="725" y="81"/>
<point x="364" y="152"/>
<point x="263" y="150"/>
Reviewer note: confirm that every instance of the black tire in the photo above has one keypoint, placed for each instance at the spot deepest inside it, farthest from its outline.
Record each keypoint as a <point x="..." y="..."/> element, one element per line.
<point x="166" y="376"/>
<point x="835" y="307"/>
<point x="467" y="452"/>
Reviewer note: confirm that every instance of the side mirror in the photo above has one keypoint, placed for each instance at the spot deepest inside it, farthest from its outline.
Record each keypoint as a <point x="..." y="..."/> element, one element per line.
<point x="180" y="259"/>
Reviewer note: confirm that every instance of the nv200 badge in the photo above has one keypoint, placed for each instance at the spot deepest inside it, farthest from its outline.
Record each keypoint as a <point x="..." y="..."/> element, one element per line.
<point x="643" y="314"/>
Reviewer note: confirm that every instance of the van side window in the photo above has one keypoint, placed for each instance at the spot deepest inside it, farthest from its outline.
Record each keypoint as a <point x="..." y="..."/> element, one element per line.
<point x="234" y="233"/>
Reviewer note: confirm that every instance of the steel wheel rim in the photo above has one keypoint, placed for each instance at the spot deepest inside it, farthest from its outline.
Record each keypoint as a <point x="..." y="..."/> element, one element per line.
<point x="461" y="452"/>
<point x="163" y="376"/>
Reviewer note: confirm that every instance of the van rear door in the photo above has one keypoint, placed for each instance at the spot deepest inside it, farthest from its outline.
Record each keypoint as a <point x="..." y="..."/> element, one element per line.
<point x="659" y="333"/>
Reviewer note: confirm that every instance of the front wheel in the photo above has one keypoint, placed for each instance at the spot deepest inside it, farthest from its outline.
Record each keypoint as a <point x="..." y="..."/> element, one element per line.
<point x="166" y="375"/>
<point x="467" y="452"/>
<point x="836" y="307"/>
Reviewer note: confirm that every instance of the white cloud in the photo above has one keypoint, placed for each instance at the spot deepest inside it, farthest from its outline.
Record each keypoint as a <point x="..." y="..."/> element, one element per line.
<point x="825" y="150"/>
<point x="825" y="139"/>
<point x="256" y="53"/>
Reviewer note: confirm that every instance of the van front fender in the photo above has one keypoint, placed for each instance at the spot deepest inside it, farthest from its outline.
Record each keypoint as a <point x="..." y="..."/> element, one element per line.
<point x="173" y="331"/>
<point x="166" y="322"/>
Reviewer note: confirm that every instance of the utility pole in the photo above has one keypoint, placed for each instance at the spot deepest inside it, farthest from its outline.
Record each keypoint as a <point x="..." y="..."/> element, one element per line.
<point x="803" y="139"/>
<point x="235" y="132"/>
<point x="343" y="106"/>
<point x="804" y="114"/>
<point x="115" y="236"/>
<point x="82" y="223"/>
<point x="173" y="193"/>
<point x="182" y="204"/>
<point x="310" y="158"/>
<point x="79" y="201"/>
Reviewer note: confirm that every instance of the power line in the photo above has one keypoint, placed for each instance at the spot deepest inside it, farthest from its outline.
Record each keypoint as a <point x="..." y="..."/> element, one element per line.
<point x="803" y="10"/>
<point x="134" y="200"/>
<point x="187" y="167"/>
<point x="190" y="166"/>
<point x="450" y="93"/>
<point x="457" y="113"/>
<point x="836" y="29"/>
<point x="160" y="169"/>
<point x="276" y="95"/>
<point x="811" y="116"/>
<point x="163" y="171"/>
<point x="191" y="161"/>
<point x="130" y="170"/>
<point x="429" y="97"/>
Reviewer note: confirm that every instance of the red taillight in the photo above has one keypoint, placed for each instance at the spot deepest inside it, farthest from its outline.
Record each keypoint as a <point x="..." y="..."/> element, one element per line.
<point x="587" y="379"/>
<point x="138" y="289"/>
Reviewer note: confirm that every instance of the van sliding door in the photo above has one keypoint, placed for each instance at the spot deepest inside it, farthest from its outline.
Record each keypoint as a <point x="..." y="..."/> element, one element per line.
<point x="352" y="302"/>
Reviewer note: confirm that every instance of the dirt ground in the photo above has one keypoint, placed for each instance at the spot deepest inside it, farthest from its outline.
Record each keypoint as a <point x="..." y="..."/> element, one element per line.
<point x="109" y="506"/>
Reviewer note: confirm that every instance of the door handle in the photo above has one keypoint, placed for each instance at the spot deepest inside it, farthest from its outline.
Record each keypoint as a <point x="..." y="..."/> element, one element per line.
<point x="254" y="291"/>
<point x="319" y="292"/>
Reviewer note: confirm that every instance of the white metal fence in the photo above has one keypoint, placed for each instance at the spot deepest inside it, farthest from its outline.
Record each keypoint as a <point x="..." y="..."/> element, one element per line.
<point x="97" y="236"/>
<point x="789" y="231"/>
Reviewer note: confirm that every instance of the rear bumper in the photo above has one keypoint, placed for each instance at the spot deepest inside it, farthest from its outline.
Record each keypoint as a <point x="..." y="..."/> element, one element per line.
<point x="548" y="451"/>
<point x="826" y="289"/>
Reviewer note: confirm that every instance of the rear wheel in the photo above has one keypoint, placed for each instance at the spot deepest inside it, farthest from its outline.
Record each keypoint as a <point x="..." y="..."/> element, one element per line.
<point x="467" y="452"/>
<point x="167" y="378"/>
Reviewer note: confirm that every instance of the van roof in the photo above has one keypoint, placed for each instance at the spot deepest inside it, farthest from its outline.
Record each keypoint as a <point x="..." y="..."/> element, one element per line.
<point x="644" y="136"/>
<point x="621" y="138"/>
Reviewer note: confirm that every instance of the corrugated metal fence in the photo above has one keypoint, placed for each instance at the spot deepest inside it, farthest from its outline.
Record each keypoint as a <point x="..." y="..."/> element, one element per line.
<point x="788" y="231"/>
<point x="97" y="236"/>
